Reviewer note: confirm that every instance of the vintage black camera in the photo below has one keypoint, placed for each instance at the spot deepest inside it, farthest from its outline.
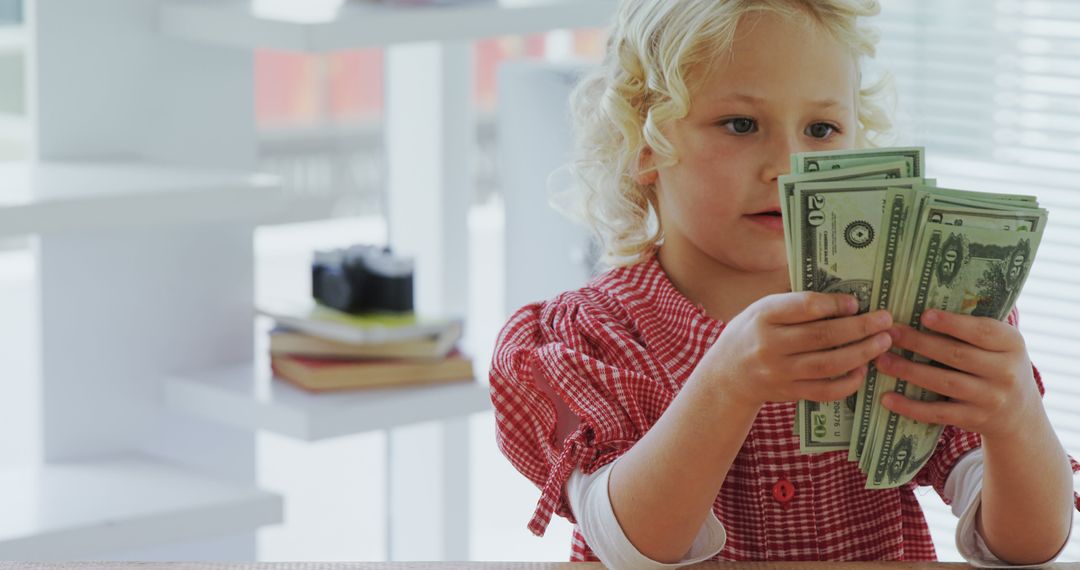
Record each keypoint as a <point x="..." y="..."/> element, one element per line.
<point x="361" y="279"/>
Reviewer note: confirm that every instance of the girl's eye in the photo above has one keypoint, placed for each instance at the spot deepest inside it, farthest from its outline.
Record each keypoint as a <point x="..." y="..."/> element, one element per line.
<point x="821" y="130"/>
<point x="740" y="126"/>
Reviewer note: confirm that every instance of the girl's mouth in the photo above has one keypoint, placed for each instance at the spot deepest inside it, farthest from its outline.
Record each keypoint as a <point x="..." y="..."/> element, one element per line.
<point x="770" y="219"/>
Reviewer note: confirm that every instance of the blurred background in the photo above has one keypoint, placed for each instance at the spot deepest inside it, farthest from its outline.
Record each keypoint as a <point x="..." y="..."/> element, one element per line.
<point x="339" y="119"/>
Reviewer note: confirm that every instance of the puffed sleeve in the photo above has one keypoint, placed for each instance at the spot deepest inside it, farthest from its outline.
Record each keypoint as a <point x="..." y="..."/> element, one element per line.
<point x="955" y="443"/>
<point x="569" y="359"/>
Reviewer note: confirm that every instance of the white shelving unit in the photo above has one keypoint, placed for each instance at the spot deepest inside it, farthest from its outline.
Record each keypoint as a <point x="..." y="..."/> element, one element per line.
<point x="248" y="397"/>
<point x="51" y="197"/>
<point x="89" y="195"/>
<point x="77" y="510"/>
<point x="143" y="203"/>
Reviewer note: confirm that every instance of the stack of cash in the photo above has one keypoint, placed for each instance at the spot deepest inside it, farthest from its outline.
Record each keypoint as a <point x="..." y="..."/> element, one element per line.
<point x="868" y="223"/>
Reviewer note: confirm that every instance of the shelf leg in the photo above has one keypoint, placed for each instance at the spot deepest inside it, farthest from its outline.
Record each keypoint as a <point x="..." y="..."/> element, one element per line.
<point x="428" y="491"/>
<point x="430" y="135"/>
<point x="456" y="490"/>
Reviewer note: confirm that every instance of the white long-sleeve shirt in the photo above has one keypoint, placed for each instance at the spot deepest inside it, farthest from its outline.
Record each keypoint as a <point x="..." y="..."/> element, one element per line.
<point x="591" y="504"/>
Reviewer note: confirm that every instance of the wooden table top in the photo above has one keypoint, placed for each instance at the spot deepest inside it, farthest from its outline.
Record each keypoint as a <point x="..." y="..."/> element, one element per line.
<point x="484" y="566"/>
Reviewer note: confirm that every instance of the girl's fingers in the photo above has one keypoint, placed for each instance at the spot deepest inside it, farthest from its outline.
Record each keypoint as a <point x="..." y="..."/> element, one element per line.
<point x="806" y="306"/>
<point x="947" y="350"/>
<point x="951" y="383"/>
<point x="832" y="389"/>
<point x="832" y="363"/>
<point x="832" y="333"/>
<point x="942" y="412"/>
<point x="983" y="332"/>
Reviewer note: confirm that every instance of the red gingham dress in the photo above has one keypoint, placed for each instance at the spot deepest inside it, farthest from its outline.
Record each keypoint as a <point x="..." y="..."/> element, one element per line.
<point x="617" y="352"/>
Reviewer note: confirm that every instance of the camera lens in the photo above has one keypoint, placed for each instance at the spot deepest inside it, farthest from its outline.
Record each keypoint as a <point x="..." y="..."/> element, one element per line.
<point x="334" y="289"/>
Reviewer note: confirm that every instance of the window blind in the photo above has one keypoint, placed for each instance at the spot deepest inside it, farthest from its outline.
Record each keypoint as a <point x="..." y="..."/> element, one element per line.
<point x="992" y="89"/>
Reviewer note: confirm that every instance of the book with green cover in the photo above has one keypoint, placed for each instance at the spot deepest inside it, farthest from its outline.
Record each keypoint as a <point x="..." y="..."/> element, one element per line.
<point x="284" y="341"/>
<point x="370" y="328"/>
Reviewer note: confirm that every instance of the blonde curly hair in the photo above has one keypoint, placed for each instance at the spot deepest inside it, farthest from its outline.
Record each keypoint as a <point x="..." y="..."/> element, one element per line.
<point x="643" y="84"/>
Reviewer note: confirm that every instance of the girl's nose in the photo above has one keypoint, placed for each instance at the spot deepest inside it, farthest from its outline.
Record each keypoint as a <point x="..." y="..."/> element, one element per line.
<point x="777" y="159"/>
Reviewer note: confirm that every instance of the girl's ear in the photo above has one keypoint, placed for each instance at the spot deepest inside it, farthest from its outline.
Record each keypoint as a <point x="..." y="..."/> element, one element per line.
<point x="646" y="174"/>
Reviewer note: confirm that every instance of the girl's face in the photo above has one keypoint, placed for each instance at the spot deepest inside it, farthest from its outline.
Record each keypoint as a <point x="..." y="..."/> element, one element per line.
<point x="787" y="87"/>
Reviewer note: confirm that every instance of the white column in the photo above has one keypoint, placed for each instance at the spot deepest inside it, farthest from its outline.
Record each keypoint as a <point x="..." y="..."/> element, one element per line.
<point x="430" y="132"/>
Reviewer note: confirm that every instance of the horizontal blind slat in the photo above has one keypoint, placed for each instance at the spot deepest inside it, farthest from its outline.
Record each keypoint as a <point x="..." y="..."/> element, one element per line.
<point x="1063" y="175"/>
<point x="1061" y="9"/>
<point x="1034" y="102"/>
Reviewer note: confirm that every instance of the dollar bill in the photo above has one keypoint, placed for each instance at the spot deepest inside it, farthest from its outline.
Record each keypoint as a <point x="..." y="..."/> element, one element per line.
<point x="838" y="225"/>
<point x="953" y="207"/>
<point x="880" y="199"/>
<point x="913" y="157"/>
<point x="888" y="269"/>
<point x="997" y="212"/>
<point x="814" y="169"/>
<point x="904" y="207"/>
<point x="970" y="262"/>
<point x="786" y="184"/>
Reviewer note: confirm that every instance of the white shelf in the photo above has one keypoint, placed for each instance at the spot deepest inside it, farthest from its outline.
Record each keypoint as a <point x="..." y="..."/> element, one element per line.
<point x="12" y="39"/>
<point x="51" y="197"/>
<point x="247" y="396"/>
<point x="313" y="27"/>
<point x="81" y="510"/>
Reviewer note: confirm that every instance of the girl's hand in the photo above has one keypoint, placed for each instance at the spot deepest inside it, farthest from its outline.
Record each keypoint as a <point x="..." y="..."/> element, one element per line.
<point x="991" y="387"/>
<point x="797" y="346"/>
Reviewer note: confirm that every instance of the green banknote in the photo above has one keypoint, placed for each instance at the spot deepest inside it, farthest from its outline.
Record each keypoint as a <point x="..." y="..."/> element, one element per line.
<point x="953" y="207"/>
<point x="843" y="165"/>
<point x="869" y="223"/>
<point x="888" y="270"/>
<point x="935" y="206"/>
<point x="885" y="166"/>
<point x="903" y="208"/>
<point x="970" y="262"/>
<point x="837" y="228"/>
<point x="786" y="184"/>
<point x="913" y="157"/>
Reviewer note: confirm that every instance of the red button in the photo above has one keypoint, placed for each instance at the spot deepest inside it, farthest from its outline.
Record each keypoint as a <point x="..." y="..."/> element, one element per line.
<point x="783" y="491"/>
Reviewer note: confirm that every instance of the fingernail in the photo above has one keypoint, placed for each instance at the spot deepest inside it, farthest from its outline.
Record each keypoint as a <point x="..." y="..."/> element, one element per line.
<point x="853" y="304"/>
<point x="884" y="319"/>
<point x="894" y="333"/>
<point x="929" y="318"/>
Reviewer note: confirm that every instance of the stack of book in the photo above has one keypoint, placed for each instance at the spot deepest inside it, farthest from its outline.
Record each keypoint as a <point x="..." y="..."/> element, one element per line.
<point x="321" y="349"/>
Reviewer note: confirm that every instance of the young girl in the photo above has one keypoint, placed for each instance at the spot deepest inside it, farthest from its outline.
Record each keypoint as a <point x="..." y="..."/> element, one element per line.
<point x="654" y="406"/>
